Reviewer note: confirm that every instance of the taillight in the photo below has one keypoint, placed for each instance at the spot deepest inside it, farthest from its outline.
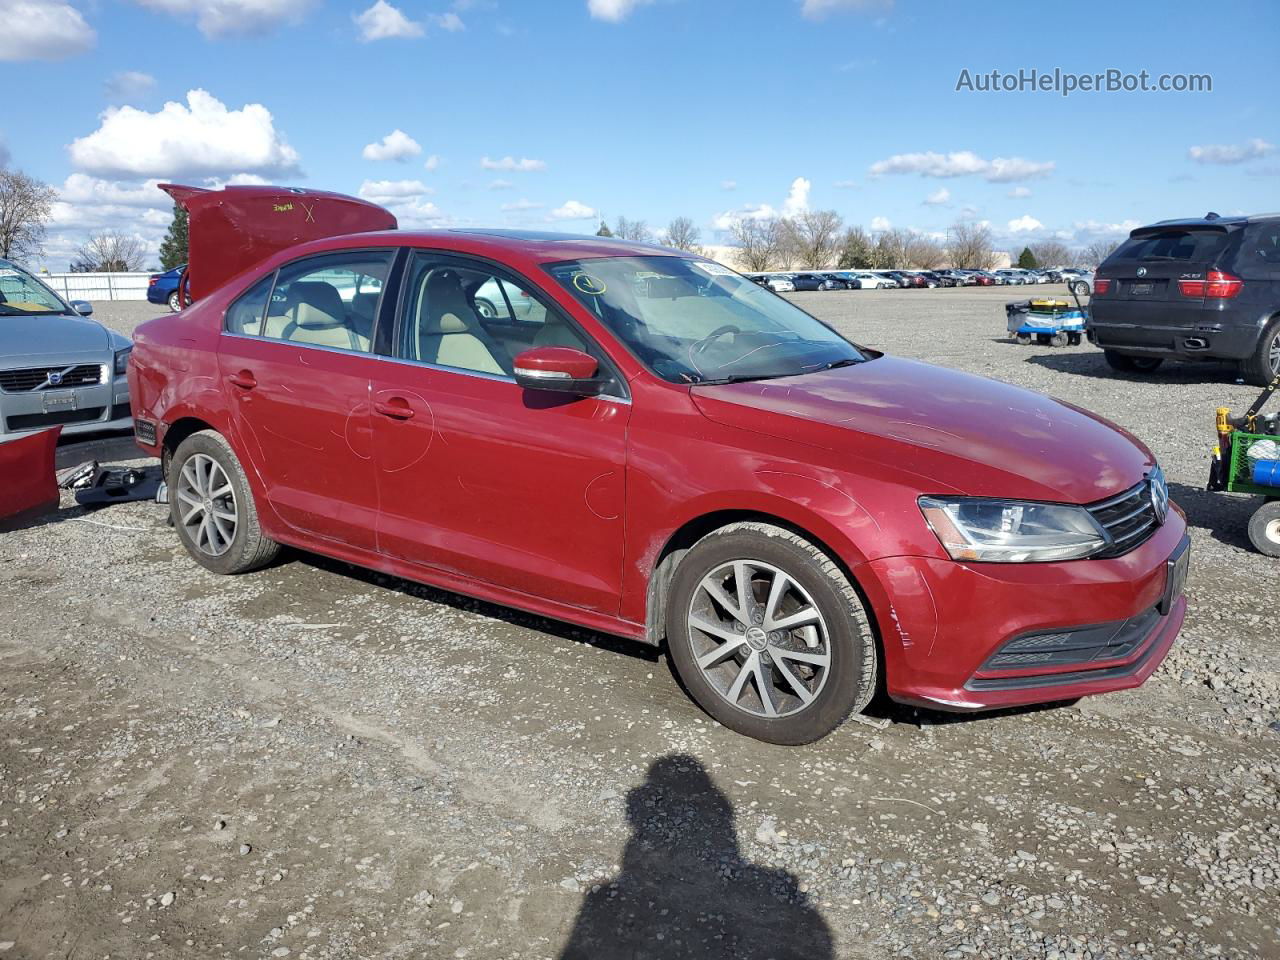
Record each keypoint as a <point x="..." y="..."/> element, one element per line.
<point x="1216" y="285"/>
<point x="1100" y="285"/>
<point x="151" y="282"/>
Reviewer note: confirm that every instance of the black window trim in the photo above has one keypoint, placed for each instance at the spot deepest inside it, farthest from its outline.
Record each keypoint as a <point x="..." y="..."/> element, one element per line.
<point x="502" y="272"/>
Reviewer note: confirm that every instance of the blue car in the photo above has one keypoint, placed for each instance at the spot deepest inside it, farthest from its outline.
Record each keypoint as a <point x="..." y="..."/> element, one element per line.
<point x="163" y="287"/>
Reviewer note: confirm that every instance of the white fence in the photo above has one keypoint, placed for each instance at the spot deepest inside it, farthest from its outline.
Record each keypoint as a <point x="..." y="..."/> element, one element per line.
<point x="98" y="286"/>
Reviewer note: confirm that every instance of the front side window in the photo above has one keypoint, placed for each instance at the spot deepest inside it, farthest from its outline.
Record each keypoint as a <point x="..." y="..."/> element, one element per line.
<point x="23" y="295"/>
<point x="692" y="321"/>
<point x="329" y="301"/>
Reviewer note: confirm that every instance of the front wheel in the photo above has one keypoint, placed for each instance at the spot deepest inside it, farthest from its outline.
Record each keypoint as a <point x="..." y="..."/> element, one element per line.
<point x="1264" y="529"/>
<point x="768" y="634"/>
<point x="212" y="507"/>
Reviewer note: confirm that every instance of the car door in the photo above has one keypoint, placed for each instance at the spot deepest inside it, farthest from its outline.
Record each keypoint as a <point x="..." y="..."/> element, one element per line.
<point x="480" y="477"/>
<point x="296" y="367"/>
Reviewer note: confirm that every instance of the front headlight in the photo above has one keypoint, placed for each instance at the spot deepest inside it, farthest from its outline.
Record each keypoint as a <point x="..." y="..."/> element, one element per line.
<point x="1012" y="531"/>
<point x="122" y="361"/>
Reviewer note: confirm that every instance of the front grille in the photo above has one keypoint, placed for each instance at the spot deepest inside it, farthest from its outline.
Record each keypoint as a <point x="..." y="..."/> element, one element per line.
<point x="34" y="421"/>
<point x="37" y="378"/>
<point x="1129" y="519"/>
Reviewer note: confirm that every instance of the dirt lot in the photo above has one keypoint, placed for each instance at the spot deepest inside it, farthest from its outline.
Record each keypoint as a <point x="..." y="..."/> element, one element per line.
<point x="319" y="762"/>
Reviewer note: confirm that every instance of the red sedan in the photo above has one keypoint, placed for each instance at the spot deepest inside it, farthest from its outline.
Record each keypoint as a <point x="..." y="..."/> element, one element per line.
<point x="645" y="443"/>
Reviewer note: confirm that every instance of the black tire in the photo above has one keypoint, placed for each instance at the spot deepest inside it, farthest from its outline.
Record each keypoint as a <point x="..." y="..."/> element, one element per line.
<point x="175" y="302"/>
<point x="1023" y="338"/>
<point x="853" y="669"/>
<point x="1264" y="529"/>
<point x="1129" y="364"/>
<point x="249" y="549"/>
<point x="485" y="309"/>
<point x="1075" y="339"/>
<point x="1263" y="365"/>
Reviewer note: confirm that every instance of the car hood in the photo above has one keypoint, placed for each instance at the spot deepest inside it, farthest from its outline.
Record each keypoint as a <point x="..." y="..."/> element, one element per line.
<point x="941" y="430"/>
<point x="52" y="339"/>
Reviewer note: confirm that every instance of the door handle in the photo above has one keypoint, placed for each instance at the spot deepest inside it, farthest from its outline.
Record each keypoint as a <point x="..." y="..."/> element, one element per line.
<point x="244" y="380"/>
<point x="397" y="408"/>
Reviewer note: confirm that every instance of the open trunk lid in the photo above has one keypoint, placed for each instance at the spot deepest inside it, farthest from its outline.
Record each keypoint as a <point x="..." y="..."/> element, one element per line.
<point x="234" y="228"/>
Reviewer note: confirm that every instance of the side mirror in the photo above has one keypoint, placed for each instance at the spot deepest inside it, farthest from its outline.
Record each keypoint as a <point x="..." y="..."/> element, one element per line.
<point x="559" y="369"/>
<point x="82" y="307"/>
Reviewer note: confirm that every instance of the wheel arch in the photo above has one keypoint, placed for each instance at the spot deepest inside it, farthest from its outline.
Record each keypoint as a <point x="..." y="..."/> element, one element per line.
<point x="178" y="431"/>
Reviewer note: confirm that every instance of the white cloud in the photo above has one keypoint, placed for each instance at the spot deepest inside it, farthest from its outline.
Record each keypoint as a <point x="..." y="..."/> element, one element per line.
<point x="501" y="184"/>
<point x="390" y="191"/>
<point x="1025" y="224"/>
<point x="1086" y="231"/>
<point x="201" y="138"/>
<point x="1231" y="153"/>
<point x="220" y="18"/>
<point x="962" y="163"/>
<point x="129" y="85"/>
<point x="798" y="198"/>
<point x="42" y="30"/>
<point x="448" y="21"/>
<point x="726" y="220"/>
<point x="87" y="204"/>
<point x="383" y="21"/>
<point x="728" y="184"/>
<point x="417" y="213"/>
<point x="432" y="164"/>
<point x="396" y="145"/>
<point x="817" y="9"/>
<point x="522" y="204"/>
<point x="613" y="10"/>
<point x="523" y="165"/>
<point x="1019" y="193"/>
<point x="572" y="210"/>
<point x="939" y="198"/>
<point x="880" y="223"/>
<point x="79" y="188"/>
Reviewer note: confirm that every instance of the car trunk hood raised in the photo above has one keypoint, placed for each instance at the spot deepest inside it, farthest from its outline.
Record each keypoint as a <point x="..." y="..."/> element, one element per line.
<point x="35" y="340"/>
<point x="941" y="429"/>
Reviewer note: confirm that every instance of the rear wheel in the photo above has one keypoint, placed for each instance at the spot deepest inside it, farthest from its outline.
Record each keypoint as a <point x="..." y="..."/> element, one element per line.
<point x="768" y="635"/>
<point x="1263" y="365"/>
<point x="1058" y="340"/>
<point x="1024" y="339"/>
<point x="1264" y="529"/>
<point x="1075" y="339"/>
<point x="1127" y="364"/>
<point x="213" y="509"/>
<point x="175" y="301"/>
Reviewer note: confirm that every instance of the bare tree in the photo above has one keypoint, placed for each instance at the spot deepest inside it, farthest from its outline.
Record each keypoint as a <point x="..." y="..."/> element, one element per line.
<point x="25" y="207"/>
<point x="1052" y="253"/>
<point x="924" y="253"/>
<point x="636" y="230"/>
<point x="683" y="234"/>
<point x="110" y="252"/>
<point x="969" y="245"/>
<point x="1095" y="253"/>
<point x="813" y="237"/>
<point x="893" y="248"/>
<point x="759" y="243"/>
<point x="855" y="250"/>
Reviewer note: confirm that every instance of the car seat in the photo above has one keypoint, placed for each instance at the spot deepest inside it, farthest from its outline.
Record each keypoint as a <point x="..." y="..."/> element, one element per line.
<point x="449" y="332"/>
<point x="315" y="314"/>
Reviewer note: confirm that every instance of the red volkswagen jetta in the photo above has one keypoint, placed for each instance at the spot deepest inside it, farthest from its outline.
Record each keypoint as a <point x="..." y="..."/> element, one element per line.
<point x="643" y="442"/>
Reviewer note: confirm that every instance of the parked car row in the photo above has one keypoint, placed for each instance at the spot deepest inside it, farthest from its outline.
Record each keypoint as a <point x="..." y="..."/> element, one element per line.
<point x="786" y="281"/>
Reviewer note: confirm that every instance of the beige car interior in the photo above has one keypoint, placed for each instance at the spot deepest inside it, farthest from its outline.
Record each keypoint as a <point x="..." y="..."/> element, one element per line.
<point x="449" y="332"/>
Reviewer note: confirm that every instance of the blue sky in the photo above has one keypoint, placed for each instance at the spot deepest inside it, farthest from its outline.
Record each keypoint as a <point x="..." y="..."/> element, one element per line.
<point x="704" y="108"/>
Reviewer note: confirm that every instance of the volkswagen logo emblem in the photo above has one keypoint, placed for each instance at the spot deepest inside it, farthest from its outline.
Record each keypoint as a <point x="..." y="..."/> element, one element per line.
<point x="1142" y="271"/>
<point x="1159" y="492"/>
<point x="55" y="378"/>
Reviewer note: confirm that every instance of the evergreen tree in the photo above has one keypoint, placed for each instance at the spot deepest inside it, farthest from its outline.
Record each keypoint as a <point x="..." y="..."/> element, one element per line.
<point x="173" y="249"/>
<point x="1027" y="259"/>
<point x="604" y="230"/>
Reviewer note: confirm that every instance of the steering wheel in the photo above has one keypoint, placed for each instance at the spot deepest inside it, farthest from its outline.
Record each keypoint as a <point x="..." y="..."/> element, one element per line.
<point x="701" y="345"/>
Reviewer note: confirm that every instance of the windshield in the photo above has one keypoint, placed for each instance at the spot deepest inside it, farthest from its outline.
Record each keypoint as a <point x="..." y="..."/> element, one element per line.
<point x="22" y="294"/>
<point x="692" y="321"/>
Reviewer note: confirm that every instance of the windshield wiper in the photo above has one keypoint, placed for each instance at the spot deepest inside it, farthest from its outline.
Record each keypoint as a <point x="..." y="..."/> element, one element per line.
<point x="845" y="362"/>
<point x="741" y="378"/>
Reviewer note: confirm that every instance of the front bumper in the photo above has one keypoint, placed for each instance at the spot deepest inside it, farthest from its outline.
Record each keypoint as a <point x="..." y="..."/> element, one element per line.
<point x="88" y="409"/>
<point x="952" y="630"/>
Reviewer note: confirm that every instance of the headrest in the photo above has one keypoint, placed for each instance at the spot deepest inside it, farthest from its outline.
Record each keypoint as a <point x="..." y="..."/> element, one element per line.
<point x="313" y="303"/>
<point x="452" y="323"/>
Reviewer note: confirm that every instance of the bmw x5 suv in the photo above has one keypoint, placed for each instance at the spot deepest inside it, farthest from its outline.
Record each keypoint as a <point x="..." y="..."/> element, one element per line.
<point x="1205" y="289"/>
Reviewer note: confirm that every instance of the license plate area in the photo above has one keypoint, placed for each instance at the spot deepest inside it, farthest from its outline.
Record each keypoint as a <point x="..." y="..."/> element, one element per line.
<point x="58" y="401"/>
<point x="1141" y="289"/>
<point x="1175" y="581"/>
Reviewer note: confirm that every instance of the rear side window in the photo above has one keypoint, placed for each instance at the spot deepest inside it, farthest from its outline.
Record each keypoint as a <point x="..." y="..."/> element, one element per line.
<point x="1261" y="245"/>
<point x="245" y="315"/>
<point x="1189" y="245"/>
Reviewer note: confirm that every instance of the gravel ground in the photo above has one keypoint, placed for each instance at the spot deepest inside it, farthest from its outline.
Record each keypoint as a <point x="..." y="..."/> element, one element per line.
<point x="315" y="761"/>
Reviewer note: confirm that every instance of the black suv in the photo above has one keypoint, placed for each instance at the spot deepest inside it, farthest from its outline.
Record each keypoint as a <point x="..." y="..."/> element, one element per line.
<point x="1191" y="290"/>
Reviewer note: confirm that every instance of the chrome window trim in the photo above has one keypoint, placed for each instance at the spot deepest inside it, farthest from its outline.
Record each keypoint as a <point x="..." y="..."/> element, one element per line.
<point x="297" y="344"/>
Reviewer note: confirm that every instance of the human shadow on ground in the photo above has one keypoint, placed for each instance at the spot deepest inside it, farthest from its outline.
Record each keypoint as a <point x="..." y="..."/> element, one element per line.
<point x="685" y="889"/>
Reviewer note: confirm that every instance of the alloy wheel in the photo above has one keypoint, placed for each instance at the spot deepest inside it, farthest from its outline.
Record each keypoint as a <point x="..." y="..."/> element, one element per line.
<point x="1273" y="355"/>
<point x="759" y="639"/>
<point x="207" y="505"/>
